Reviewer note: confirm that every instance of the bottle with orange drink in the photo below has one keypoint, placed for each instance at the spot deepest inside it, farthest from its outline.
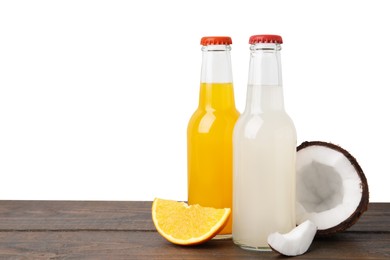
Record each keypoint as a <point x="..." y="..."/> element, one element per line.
<point x="210" y="130"/>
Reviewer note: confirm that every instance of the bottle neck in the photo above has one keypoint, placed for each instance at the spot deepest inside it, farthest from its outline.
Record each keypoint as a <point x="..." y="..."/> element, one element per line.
<point x="265" y="92"/>
<point x="216" y="64"/>
<point x="216" y="90"/>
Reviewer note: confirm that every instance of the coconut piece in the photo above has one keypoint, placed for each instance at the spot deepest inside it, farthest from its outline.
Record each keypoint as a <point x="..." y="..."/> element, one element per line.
<point x="294" y="243"/>
<point x="332" y="190"/>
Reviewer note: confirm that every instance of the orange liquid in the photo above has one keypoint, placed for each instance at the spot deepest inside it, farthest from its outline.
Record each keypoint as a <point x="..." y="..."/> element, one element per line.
<point x="209" y="138"/>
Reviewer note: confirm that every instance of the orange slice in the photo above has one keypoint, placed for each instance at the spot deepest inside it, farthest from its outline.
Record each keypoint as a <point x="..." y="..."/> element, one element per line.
<point x="187" y="225"/>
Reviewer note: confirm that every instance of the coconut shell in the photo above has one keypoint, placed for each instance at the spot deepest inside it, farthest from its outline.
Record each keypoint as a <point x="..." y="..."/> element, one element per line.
<point x="363" y="205"/>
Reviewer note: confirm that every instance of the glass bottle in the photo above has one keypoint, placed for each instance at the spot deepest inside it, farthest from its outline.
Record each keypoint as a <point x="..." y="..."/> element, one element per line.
<point x="264" y="153"/>
<point x="210" y="131"/>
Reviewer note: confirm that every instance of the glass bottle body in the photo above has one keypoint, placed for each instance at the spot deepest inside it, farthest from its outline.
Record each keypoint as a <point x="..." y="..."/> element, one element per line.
<point x="209" y="134"/>
<point x="264" y="144"/>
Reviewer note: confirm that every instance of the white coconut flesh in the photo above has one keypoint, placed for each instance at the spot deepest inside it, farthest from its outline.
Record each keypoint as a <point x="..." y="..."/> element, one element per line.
<point x="294" y="243"/>
<point x="329" y="189"/>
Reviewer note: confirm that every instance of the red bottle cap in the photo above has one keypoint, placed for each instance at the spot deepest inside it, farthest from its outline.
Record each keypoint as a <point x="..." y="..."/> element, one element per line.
<point x="216" y="40"/>
<point x="265" y="38"/>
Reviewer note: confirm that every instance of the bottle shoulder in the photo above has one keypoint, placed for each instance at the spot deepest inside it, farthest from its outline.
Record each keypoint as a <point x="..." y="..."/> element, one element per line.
<point x="276" y="116"/>
<point x="207" y="121"/>
<point x="224" y="113"/>
<point x="275" y="123"/>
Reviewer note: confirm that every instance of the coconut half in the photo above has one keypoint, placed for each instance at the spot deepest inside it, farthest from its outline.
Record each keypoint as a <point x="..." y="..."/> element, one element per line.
<point x="332" y="190"/>
<point x="294" y="243"/>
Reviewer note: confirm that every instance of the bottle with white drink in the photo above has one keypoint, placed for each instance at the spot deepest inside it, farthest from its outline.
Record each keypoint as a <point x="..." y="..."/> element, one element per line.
<point x="264" y="149"/>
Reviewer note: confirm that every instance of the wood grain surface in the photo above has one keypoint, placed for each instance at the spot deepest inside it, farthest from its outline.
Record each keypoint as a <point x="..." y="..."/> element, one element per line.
<point x="124" y="230"/>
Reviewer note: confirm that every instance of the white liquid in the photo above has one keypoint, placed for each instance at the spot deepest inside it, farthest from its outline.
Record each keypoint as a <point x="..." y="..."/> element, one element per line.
<point x="264" y="145"/>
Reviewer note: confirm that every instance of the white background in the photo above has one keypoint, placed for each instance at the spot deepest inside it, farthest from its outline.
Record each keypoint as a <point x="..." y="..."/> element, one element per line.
<point x="95" y="96"/>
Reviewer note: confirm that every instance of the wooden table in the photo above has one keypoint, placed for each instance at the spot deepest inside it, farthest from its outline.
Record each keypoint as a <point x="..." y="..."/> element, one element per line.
<point x="124" y="230"/>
